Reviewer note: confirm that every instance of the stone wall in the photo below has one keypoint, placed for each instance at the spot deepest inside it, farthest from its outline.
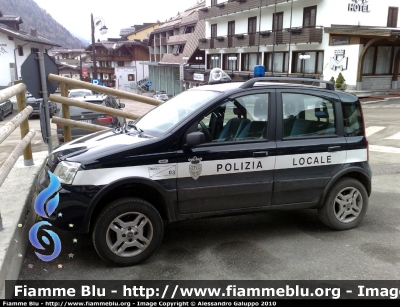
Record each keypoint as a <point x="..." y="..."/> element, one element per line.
<point x="377" y="82"/>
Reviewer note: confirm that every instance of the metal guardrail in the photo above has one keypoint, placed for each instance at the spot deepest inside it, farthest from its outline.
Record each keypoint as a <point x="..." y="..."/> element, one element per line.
<point x="21" y="120"/>
<point x="67" y="102"/>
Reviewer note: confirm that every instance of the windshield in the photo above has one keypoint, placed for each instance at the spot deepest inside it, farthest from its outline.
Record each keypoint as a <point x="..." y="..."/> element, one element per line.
<point x="165" y="116"/>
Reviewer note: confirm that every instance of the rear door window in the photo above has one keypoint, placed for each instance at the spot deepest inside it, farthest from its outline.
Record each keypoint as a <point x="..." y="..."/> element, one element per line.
<point x="307" y="115"/>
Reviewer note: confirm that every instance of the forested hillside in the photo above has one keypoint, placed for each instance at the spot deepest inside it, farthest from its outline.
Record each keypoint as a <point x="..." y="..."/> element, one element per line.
<point x="35" y="17"/>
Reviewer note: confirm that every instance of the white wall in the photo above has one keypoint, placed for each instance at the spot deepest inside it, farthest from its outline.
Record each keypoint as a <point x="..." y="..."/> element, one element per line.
<point x="6" y="57"/>
<point x="121" y="72"/>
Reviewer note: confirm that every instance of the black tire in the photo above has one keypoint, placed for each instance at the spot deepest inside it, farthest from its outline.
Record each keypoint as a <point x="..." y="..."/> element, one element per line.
<point x="345" y="206"/>
<point x="133" y="212"/>
<point x="1" y="116"/>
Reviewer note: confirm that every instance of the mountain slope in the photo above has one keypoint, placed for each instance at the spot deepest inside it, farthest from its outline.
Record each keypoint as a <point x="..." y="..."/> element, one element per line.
<point x="35" y="17"/>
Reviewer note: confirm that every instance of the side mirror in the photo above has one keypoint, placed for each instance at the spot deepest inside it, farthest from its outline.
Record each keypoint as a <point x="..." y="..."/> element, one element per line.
<point x="122" y="105"/>
<point x="195" y="138"/>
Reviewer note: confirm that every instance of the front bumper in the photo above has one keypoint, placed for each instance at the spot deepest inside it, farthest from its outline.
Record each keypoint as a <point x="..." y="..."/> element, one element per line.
<point x="73" y="206"/>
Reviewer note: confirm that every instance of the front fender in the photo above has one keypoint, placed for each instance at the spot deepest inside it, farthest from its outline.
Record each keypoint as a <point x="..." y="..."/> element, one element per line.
<point x="169" y="196"/>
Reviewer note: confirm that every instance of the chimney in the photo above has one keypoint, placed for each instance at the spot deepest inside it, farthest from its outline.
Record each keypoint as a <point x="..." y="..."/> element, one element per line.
<point x="33" y="32"/>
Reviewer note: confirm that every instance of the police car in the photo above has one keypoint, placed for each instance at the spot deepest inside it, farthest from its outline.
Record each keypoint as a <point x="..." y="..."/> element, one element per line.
<point x="214" y="150"/>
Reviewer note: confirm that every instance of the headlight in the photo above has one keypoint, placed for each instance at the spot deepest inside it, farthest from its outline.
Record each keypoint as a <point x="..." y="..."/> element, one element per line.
<point x="66" y="171"/>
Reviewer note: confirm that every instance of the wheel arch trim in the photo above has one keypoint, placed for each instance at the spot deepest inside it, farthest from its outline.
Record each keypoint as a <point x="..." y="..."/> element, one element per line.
<point x="166" y="195"/>
<point x="366" y="182"/>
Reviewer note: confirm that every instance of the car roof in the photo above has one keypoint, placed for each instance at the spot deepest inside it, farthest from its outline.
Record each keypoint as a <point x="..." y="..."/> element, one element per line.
<point x="95" y="98"/>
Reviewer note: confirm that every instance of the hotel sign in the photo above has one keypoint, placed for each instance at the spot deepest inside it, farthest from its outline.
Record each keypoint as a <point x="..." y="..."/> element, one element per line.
<point x="340" y="41"/>
<point x="358" y="6"/>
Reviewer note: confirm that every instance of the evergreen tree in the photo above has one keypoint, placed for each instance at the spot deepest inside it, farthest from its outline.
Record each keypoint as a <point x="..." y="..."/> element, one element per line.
<point x="340" y="80"/>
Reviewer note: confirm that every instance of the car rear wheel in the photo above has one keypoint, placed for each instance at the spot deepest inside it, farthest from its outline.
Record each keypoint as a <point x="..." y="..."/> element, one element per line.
<point x="127" y="231"/>
<point x="345" y="205"/>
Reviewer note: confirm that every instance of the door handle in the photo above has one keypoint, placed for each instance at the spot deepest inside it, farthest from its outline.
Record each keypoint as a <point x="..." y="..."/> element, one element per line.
<point x="334" y="148"/>
<point x="260" y="154"/>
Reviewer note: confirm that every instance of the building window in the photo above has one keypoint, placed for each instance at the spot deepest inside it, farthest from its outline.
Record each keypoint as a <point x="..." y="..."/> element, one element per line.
<point x="378" y="61"/>
<point x="214" y="30"/>
<point x="392" y="17"/>
<point x="214" y="2"/>
<point x="20" y="51"/>
<point x="230" y="64"/>
<point x="213" y="60"/>
<point x="108" y="64"/>
<point x="252" y="25"/>
<point x="277" y="22"/>
<point x="131" y="77"/>
<point x="177" y="49"/>
<point x="309" y="16"/>
<point x="33" y="50"/>
<point x="280" y="60"/>
<point x="120" y="63"/>
<point x="312" y="65"/>
<point x="189" y="29"/>
<point x="249" y="60"/>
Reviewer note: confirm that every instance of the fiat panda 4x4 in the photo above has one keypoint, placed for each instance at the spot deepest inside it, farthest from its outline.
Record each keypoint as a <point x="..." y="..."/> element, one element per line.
<point x="214" y="150"/>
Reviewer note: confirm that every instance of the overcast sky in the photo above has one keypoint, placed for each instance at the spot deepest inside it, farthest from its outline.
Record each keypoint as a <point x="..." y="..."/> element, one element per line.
<point x="74" y="15"/>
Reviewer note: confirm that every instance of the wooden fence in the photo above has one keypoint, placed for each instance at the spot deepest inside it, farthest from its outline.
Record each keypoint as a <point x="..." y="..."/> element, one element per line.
<point x="21" y="121"/>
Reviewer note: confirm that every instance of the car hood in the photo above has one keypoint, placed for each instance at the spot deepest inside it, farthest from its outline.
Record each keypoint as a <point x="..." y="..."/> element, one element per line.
<point x="101" y="142"/>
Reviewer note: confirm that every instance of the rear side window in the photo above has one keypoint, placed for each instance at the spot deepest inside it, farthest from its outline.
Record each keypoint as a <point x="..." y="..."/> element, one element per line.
<point x="307" y="116"/>
<point x="352" y="116"/>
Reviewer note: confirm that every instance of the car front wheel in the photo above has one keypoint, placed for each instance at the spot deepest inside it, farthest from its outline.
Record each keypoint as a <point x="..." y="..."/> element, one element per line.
<point x="127" y="231"/>
<point x="345" y="205"/>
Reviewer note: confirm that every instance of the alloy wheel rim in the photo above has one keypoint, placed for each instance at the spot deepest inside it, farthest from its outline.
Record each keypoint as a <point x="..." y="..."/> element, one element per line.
<point x="348" y="204"/>
<point x="129" y="234"/>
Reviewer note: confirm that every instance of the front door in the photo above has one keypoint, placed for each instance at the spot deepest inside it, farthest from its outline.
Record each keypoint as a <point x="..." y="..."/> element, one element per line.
<point x="234" y="168"/>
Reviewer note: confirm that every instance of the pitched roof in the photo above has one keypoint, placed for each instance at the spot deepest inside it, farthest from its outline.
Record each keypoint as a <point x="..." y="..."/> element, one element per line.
<point x="113" y="45"/>
<point x="22" y="35"/>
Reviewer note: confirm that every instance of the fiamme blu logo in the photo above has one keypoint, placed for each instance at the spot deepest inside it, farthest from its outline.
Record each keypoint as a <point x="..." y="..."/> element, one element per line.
<point x="45" y="206"/>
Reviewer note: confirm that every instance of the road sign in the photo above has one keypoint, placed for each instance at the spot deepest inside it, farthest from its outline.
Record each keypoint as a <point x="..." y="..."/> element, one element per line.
<point x="30" y="74"/>
<point x="95" y="81"/>
<point x="149" y="83"/>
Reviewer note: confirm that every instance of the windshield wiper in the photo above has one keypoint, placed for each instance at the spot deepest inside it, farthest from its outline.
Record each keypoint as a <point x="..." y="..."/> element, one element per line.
<point x="131" y="124"/>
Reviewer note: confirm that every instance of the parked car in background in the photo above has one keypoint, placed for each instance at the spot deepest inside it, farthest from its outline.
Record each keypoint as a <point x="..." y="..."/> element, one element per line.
<point x="92" y="117"/>
<point x="6" y="107"/>
<point x="35" y="104"/>
<point x="161" y="95"/>
<point x="80" y="92"/>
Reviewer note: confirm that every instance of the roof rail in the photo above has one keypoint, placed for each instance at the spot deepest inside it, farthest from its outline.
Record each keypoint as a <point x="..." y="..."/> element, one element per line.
<point x="250" y="83"/>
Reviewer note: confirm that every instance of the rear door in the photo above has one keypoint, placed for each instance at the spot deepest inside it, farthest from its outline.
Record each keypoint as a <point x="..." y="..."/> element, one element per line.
<point x="234" y="169"/>
<point x="310" y="145"/>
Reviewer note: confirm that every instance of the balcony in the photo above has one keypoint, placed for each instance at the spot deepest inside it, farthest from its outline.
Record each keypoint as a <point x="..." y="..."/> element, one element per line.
<point x="296" y="35"/>
<point x="232" y="7"/>
<point x="105" y="70"/>
<point x="123" y="58"/>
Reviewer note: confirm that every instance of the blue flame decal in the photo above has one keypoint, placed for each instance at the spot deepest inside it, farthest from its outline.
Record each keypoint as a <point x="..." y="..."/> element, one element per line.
<point x="33" y="237"/>
<point x="52" y="204"/>
<point x="41" y="208"/>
